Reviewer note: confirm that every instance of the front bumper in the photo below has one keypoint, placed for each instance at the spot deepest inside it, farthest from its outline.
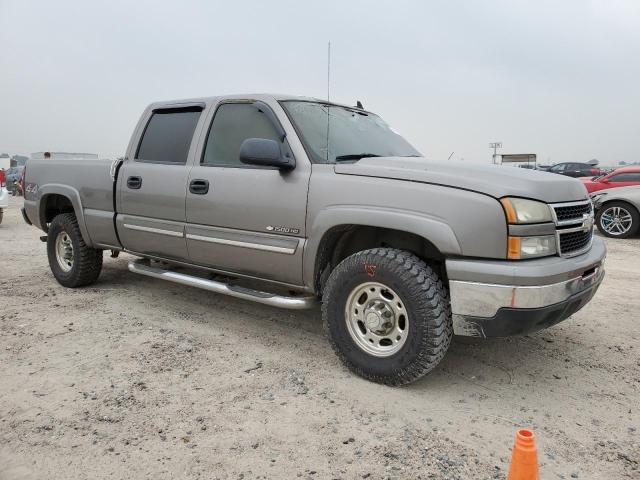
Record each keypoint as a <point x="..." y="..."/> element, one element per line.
<point x="499" y="298"/>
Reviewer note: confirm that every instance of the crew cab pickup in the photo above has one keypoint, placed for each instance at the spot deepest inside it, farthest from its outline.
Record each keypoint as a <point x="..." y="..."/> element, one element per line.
<point x="288" y="201"/>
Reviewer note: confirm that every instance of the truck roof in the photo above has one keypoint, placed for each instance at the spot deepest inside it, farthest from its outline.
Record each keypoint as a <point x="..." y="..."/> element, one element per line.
<point x="243" y="96"/>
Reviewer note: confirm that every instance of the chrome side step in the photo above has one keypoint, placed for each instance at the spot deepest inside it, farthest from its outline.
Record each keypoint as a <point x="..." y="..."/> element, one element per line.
<point x="293" y="303"/>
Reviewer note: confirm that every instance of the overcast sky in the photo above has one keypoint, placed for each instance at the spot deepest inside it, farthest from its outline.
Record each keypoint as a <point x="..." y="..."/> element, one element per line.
<point x="556" y="78"/>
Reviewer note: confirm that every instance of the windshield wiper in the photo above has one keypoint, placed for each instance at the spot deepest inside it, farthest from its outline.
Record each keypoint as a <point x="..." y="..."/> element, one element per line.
<point x="355" y="156"/>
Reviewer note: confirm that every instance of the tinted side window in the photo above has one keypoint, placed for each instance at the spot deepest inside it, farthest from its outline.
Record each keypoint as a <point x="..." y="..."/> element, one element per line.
<point x="168" y="136"/>
<point x="558" y="168"/>
<point x="625" y="177"/>
<point x="232" y="124"/>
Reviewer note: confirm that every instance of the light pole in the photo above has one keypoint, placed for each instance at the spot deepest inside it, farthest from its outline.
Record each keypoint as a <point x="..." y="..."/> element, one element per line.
<point x="495" y="146"/>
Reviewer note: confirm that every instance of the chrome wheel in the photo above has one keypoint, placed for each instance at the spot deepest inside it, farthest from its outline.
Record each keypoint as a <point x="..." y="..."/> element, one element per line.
<point x="376" y="319"/>
<point x="64" y="251"/>
<point x="616" y="221"/>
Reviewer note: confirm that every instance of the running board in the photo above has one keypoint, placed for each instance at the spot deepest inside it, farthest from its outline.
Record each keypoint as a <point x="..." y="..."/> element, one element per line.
<point x="293" y="303"/>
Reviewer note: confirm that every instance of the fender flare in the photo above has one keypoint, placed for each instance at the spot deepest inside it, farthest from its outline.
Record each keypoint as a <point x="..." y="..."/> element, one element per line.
<point x="73" y="196"/>
<point x="432" y="229"/>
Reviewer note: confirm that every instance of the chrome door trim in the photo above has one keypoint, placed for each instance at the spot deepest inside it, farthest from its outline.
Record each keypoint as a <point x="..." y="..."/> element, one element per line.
<point x="236" y="243"/>
<point x="159" y="231"/>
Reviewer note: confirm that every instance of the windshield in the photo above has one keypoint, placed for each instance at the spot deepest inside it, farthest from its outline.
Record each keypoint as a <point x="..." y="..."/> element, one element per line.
<point x="353" y="134"/>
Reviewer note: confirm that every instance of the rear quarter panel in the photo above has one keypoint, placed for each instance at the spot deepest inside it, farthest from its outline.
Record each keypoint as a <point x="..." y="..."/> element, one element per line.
<point x="86" y="183"/>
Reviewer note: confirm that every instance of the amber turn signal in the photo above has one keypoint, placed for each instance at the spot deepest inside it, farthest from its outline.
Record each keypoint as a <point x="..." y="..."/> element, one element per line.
<point x="513" y="248"/>
<point x="512" y="217"/>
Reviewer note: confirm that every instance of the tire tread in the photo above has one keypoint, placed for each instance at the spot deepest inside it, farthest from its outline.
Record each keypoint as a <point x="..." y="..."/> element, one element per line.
<point x="434" y="311"/>
<point x="88" y="260"/>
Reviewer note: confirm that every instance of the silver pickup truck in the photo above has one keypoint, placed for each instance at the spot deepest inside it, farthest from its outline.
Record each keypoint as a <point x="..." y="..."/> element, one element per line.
<point x="287" y="200"/>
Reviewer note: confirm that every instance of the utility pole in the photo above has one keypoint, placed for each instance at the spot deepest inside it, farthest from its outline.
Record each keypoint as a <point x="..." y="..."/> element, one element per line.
<point x="495" y="146"/>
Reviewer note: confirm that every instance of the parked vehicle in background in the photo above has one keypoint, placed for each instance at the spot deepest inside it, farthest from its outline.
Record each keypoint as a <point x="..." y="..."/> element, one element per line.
<point x="621" y="177"/>
<point x="327" y="201"/>
<point x="572" y="169"/>
<point x="617" y="211"/>
<point x="4" y="194"/>
<point x="13" y="175"/>
<point x="543" y="168"/>
<point x="5" y="162"/>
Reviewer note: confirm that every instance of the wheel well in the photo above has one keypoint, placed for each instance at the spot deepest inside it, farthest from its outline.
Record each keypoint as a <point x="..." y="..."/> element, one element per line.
<point x="53" y="205"/>
<point x="344" y="240"/>
<point x="609" y="202"/>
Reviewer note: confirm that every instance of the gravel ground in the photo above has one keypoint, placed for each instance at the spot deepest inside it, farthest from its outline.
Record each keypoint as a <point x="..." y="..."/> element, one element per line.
<point x="137" y="378"/>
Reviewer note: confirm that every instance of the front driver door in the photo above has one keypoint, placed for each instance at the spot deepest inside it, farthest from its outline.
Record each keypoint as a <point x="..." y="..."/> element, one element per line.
<point x="246" y="219"/>
<point x="624" y="179"/>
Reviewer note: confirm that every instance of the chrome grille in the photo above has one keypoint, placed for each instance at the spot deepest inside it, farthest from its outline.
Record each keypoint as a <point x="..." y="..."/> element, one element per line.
<point x="572" y="213"/>
<point x="574" y="241"/>
<point x="574" y="227"/>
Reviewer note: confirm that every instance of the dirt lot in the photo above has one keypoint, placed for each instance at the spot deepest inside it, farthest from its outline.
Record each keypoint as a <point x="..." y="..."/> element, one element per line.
<point x="136" y="378"/>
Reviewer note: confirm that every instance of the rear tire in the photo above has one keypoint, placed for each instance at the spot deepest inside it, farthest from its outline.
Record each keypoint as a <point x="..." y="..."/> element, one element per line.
<point x="626" y="225"/>
<point x="387" y="315"/>
<point x="72" y="262"/>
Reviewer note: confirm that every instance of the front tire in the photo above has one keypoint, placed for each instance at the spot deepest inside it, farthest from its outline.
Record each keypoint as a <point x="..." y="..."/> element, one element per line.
<point x="618" y="220"/>
<point x="72" y="262"/>
<point x="387" y="315"/>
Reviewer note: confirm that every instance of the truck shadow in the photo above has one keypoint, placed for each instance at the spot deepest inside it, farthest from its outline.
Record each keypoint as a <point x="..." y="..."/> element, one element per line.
<point x="483" y="365"/>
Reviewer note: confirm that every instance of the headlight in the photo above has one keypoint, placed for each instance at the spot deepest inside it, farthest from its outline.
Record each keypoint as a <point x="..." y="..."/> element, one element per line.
<point x="597" y="198"/>
<point x="530" y="247"/>
<point x="521" y="210"/>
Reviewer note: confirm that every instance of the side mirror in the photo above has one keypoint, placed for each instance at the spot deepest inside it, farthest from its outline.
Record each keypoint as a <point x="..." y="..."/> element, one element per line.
<point x="265" y="153"/>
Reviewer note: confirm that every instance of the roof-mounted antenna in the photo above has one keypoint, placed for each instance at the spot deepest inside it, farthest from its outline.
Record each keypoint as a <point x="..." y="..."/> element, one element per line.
<point x="328" y="69"/>
<point x="328" y="91"/>
<point x="359" y="105"/>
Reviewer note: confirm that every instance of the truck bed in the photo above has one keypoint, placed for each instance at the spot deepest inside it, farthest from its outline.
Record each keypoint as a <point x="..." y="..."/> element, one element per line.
<point x="87" y="182"/>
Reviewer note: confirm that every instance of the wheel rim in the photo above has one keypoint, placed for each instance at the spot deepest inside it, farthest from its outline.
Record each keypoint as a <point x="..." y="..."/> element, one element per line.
<point x="64" y="251"/>
<point x="377" y="319"/>
<point x="616" y="220"/>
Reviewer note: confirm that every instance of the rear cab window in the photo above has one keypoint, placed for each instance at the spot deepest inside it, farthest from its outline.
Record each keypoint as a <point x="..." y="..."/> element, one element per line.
<point x="168" y="135"/>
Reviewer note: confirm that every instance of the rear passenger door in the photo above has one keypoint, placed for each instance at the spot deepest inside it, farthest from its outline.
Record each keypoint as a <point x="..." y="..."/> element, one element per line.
<point x="248" y="219"/>
<point x="578" y="170"/>
<point x="152" y="184"/>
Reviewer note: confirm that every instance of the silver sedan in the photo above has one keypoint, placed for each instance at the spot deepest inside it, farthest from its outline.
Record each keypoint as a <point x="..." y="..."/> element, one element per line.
<point x="617" y="211"/>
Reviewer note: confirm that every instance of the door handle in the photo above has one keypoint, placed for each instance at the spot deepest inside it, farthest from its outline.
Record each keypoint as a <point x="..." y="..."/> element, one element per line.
<point x="199" y="186"/>
<point x="134" y="182"/>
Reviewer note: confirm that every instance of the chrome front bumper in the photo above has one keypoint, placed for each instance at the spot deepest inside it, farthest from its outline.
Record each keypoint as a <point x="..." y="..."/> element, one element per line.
<point x="499" y="309"/>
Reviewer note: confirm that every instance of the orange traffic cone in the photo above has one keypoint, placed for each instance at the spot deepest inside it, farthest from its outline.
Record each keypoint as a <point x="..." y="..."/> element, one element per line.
<point x="524" y="459"/>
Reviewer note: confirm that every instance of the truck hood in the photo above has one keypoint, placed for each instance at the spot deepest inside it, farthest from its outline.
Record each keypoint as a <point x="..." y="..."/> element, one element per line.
<point x="494" y="180"/>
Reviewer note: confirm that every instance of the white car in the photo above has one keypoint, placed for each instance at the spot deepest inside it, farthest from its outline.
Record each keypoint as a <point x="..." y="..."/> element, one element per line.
<point x="4" y="194"/>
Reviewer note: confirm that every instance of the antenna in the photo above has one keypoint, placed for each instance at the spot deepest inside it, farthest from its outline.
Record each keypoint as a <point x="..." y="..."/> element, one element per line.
<point x="328" y="69"/>
<point x="328" y="91"/>
<point x="451" y="155"/>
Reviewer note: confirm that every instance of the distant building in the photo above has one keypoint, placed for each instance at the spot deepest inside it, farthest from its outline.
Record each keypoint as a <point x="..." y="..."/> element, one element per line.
<point x="18" y="160"/>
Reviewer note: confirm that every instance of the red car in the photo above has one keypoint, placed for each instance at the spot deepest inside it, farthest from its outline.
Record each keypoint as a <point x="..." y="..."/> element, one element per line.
<point x="620" y="177"/>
